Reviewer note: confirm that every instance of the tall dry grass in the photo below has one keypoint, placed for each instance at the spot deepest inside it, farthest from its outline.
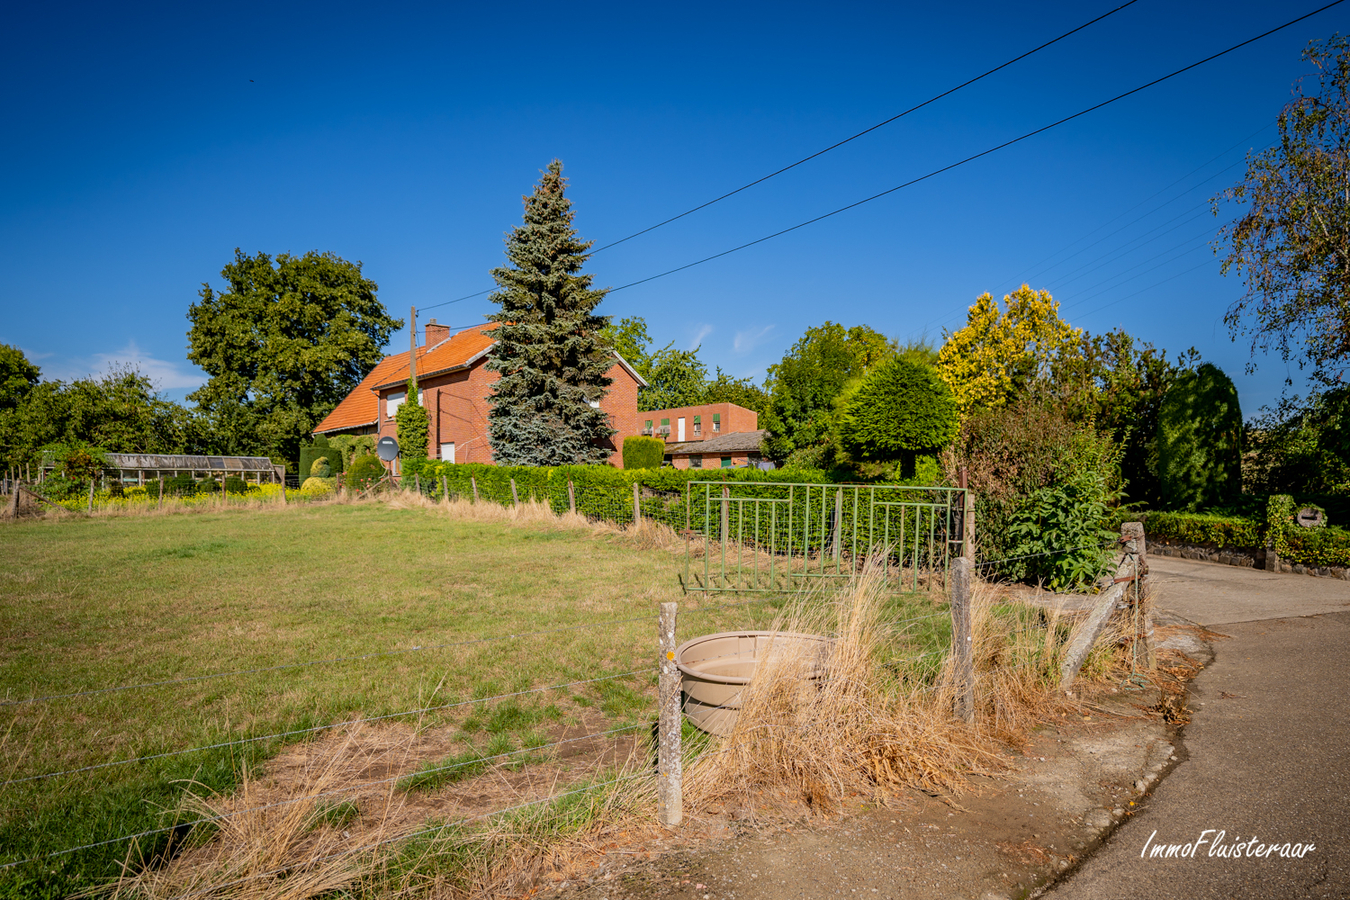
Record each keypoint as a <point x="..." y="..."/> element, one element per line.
<point x="826" y="727"/>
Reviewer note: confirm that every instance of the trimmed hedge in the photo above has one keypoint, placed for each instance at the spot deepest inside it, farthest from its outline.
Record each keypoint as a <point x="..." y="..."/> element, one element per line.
<point x="1328" y="546"/>
<point x="643" y="452"/>
<point x="1316" y="546"/>
<point x="1202" y="528"/>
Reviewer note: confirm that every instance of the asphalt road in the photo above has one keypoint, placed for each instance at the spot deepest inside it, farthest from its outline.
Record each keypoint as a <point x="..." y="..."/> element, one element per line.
<point x="1267" y="757"/>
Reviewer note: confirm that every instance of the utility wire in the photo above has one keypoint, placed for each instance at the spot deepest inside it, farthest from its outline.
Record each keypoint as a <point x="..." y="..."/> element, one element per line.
<point x="981" y="154"/>
<point x="321" y="662"/>
<point x="865" y="131"/>
<point x="833" y="146"/>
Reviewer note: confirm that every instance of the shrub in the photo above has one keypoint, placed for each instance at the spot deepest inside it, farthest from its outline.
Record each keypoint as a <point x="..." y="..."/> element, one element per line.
<point x="900" y="410"/>
<point x="1044" y="487"/>
<point x="643" y="452"/>
<point x="236" y="485"/>
<point x="413" y="424"/>
<point x="320" y="468"/>
<point x="208" y="486"/>
<point x="365" y="471"/>
<point x="316" y="485"/>
<point x="1200" y="440"/>
<point x="1202" y="528"/>
<point x="180" y="486"/>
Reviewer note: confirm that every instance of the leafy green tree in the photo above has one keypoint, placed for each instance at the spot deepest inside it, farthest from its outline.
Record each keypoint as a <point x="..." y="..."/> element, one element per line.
<point x="1200" y="440"/>
<point x="804" y="385"/>
<point x="1291" y="241"/>
<point x="629" y="338"/>
<point x="549" y="348"/>
<point x="901" y="409"/>
<point x="119" y="412"/>
<point x="674" y="378"/>
<point x="17" y="376"/>
<point x="283" y="343"/>
<point x="1301" y="447"/>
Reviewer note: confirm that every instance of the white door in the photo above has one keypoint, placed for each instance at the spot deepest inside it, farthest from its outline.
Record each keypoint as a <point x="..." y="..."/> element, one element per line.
<point x="680" y="428"/>
<point x="448" y="452"/>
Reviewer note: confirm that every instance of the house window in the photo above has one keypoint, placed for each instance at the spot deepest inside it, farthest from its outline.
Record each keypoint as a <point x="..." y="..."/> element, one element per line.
<point x="726" y="462"/>
<point x="448" y="452"/>
<point x="665" y="426"/>
<point x="717" y="422"/>
<point x="695" y="462"/>
<point x="698" y="424"/>
<point x="393" y="402"/>
<point x="647" y="429"/>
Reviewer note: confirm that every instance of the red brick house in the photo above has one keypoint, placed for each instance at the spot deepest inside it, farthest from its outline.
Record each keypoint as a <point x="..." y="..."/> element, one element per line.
<point x="454" y="383"/>
<point x="724" y="451"/>
<point x="698" y="423"/>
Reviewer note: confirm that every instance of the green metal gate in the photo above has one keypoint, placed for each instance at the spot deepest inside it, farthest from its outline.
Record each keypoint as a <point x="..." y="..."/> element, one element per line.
<point x="781" y="536"/>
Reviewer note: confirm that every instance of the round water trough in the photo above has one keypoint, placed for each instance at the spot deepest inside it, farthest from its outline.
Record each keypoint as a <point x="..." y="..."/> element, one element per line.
<point x="717" y="667"/>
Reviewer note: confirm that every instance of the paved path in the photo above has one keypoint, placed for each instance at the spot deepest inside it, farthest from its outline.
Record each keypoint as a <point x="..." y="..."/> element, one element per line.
<point x="1212" y="594"/>
<point x="1268" y="747"/>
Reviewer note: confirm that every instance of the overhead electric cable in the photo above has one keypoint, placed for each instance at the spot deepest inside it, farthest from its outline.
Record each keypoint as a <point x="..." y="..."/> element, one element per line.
<point x="981" y="154"/>
<point x="865" y="131"/>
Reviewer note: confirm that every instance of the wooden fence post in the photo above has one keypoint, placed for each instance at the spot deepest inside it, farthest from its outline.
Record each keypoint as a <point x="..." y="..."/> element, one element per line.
<point x="473" y="482"/>
<point x="161" y="492"/>
<point x="571" y="497"/>
<point x="968" y="526"/>
<point x="637" y="506"/>
<point x="962" y="640"/>
<point x="1141" y="618"/>
<point x="669" y="788"/>
<point x="91" y="496"/>
<point x="515" y="497"/>
<point x="417" y="481"/>
<point x="445" y="490"/>
<point x="1085" y="634"/>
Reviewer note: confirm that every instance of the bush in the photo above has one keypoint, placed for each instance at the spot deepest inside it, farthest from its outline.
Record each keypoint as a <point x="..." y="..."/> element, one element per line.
<point x="320" y="468"/>
<point x="1200" y="440"/>
<point x="1044" y="488"/>
<point x="900" y="410"/>
<point x="365" y="471"/>
<point x="1221" y="531"/>
<point x="317" y="486"/>
<point x="180" y="486"/>
<point x="413" y="428"/>
<point x="236" y="485"/>
<point x="643" y="452"/>
<point x="1316" y="546"/>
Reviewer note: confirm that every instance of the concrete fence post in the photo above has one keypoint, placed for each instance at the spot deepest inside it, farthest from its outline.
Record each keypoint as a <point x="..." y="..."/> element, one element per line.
<point x="1087" y="632"/>
<point x="515" y="497"/>
<point x="445" y="490"/>
<point x="417" y="481"/>
<point x="669" y="769"/>
<point x="473" y="482"/>
<point x="637" y="505"/>
<point x="91" y="496"/>
<point x="1132" y="534"/>
<point x="963" y="640"/>
<point x="571" y="497"/>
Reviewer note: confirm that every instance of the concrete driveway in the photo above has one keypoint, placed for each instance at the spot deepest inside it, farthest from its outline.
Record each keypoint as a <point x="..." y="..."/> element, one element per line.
<point x="1266" y="757"/>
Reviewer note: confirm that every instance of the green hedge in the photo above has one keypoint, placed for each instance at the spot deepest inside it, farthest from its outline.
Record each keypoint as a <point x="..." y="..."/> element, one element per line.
<point x="1305" y="546"/>
<point x="643" y="452"/>
<point x="1201" y="528"/>
<point x="1316" y="546"/>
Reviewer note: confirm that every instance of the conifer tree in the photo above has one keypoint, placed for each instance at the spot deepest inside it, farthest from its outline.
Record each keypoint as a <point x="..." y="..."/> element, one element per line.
<point x="549" y="348"/>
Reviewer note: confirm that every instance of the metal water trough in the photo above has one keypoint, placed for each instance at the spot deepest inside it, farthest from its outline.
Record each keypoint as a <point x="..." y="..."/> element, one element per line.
<point x="715" y="669"/>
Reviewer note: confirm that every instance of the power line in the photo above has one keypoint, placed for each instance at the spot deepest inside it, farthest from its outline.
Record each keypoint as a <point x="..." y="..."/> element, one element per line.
<point x="981" y="154"/>
<point x="865" y="131"/>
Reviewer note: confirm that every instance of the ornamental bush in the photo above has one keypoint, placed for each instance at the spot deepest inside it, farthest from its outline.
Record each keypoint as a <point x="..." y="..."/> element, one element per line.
<point x="901" y="410"/>
<point x="320" y="468"/>
<point x="643" y="452"/>
<point x="1200" y="440"/>
<point x="236" y="485"/>
<point x="317" y="486"/>
<point x="365" y="471"/>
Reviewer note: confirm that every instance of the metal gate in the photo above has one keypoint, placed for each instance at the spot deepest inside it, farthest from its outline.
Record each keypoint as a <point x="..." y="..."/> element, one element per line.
<point x="781" y="536"/>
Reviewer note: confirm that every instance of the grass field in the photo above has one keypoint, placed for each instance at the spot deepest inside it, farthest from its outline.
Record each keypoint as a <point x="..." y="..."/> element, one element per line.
<point x="92" y="604"/>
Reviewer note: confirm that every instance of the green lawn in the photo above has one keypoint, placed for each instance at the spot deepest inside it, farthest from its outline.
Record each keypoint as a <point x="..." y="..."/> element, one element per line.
<point x="89" y="604"/>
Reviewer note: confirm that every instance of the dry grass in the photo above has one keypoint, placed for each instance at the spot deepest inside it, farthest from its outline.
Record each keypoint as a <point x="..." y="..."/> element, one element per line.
<point x="826" y="728"/>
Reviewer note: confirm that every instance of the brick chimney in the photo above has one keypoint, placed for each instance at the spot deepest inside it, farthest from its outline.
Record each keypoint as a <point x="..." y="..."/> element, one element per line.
<point x="436" y="333"/>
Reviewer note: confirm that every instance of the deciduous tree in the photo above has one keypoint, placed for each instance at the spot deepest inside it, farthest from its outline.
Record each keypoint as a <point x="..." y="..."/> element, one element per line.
<point x="283" y="343"/>
<point x="1291" y="242"/>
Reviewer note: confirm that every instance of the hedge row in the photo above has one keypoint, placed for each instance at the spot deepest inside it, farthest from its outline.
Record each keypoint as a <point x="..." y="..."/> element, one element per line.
<point x="606" y="493"/>
<point x="1324" y="546"/>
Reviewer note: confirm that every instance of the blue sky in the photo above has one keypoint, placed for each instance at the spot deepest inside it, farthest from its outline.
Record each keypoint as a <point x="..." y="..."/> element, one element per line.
<point x="145" y="143"/>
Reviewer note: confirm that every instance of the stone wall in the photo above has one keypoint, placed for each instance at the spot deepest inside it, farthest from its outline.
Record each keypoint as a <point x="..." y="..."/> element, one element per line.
<point x="1246" y="557"/>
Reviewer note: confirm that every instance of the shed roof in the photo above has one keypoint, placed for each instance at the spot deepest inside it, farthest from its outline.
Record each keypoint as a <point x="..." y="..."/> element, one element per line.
<point x="182" y="461"/>
<point x="733" y="442"/>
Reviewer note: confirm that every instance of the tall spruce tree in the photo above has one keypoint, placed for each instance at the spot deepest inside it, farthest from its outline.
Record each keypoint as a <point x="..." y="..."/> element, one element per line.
<point x="549" y="349"/>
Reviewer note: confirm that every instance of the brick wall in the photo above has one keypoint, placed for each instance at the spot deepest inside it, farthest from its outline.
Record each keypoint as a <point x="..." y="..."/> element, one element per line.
<point x="457" y="406"/>
<point x="734" y="419"/>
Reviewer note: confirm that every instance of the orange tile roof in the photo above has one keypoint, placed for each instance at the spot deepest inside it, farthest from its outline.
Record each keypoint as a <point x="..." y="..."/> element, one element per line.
<point x="362" y="406"/>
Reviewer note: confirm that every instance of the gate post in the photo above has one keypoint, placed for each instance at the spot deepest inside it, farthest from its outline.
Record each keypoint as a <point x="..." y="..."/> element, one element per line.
<point x="726" y="515"/>
<point x="837" y="531"/>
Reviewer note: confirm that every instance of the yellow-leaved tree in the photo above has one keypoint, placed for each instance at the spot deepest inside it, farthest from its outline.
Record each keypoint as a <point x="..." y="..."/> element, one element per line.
<point x="1002" y="353"/>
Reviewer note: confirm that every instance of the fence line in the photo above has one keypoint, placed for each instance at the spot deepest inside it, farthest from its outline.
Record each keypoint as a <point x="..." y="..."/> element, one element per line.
<point x="286" y="734"/>
<point x="333" y="792"/>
